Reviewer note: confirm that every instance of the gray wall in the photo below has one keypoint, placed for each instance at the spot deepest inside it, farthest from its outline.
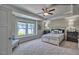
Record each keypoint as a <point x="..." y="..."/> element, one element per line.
<point x="58" y="23"/>
<point x="62" y="23"/>
<point x="76" y="9"/>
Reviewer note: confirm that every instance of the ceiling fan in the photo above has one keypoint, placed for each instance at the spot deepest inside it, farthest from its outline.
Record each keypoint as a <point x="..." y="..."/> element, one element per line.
<point x="47" y="11"/>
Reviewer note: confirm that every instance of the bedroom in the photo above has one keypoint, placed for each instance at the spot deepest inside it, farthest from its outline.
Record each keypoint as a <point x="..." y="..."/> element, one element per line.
<point x="32" y="28"/>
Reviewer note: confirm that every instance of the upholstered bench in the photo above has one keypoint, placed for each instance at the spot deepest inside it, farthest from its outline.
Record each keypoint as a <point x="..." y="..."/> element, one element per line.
<point x="15" y="43"/>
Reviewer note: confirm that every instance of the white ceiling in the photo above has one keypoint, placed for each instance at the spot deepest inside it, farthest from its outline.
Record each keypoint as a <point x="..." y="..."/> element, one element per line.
<point x="60" y="10"/>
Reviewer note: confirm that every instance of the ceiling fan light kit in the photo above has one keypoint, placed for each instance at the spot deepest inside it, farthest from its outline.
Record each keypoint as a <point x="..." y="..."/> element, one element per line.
<point x="45" y="14"/>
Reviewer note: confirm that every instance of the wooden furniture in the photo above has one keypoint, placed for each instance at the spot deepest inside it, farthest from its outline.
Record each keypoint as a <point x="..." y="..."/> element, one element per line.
<point x="72" y="36"/>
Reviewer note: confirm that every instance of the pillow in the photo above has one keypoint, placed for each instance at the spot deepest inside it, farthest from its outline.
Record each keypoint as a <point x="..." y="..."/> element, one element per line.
<point x="60" y="32"/>
<point x="56" y="31"/>
<point x="52" y="32"/>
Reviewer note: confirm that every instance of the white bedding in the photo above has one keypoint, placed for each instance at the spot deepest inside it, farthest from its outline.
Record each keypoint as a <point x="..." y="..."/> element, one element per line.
<point x="53" y="38"/>
<point x="53" y="35"/>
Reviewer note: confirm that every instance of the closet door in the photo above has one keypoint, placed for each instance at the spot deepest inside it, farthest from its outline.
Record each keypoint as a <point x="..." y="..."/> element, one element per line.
<point x="5" y="30"/>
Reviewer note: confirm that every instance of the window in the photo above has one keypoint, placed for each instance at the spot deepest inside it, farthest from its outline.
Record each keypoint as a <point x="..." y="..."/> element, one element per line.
<point x="30" y="28"/>
<point x="25" y="28"/>
<point x="21" y="28"/>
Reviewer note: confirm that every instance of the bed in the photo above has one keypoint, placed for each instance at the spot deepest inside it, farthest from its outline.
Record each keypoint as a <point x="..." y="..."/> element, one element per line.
<point x="53" y="37"/>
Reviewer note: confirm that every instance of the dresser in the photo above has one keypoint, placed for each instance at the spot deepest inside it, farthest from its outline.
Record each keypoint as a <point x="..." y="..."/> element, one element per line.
<point x="72" y="36"/>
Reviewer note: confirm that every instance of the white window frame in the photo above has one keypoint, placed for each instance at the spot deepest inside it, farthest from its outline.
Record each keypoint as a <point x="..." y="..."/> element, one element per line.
<point x="21" y="28"/>
<point x="27" y="34"/>
<point x="31" y="28"/>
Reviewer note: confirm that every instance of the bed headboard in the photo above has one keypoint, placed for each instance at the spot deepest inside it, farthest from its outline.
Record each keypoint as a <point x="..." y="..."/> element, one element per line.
<point x="63" y="30"/>
<point x="46" y="31"/>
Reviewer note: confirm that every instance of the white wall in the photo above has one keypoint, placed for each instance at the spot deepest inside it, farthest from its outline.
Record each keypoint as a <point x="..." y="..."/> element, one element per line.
<point x="76" y="12"/>
<point x="39" y="32"/>
<point x="5" y="30"/>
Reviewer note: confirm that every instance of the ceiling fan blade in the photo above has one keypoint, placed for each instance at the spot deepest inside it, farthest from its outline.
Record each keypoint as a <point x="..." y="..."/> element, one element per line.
<point x="50" y="13"/>
<point x="43" y="9"/>
<point x="46" y="9"/>
<point x="51" y="10"/>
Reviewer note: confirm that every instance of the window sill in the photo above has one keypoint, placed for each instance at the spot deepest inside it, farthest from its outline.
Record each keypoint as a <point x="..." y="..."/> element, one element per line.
<point x="18" y="37"/>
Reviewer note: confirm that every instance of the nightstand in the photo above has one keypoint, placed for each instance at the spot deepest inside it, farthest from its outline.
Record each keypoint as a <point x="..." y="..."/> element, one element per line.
<point x="72" y="36"/>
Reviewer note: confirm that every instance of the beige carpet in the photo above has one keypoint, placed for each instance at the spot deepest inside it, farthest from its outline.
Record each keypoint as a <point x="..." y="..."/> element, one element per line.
<point x="37" y="47"/>
<point x="69" y="44"/>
